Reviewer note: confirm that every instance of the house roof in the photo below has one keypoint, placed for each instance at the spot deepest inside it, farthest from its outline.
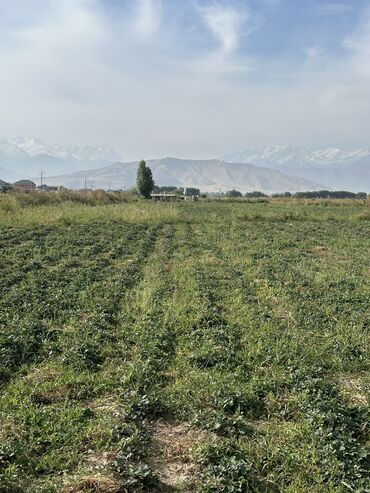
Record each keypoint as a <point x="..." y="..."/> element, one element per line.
<point x="25" y="183"/>
<point x="3" y="183"/>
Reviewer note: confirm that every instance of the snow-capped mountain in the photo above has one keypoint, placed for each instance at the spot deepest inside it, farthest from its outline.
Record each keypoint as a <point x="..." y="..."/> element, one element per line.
<point x="338" y="168"/>
<point x="296" y="157"/>
<point x="11" y="150"/>
<point x="27" y="156"/>
<point x="334" y="156"/>
<point x="271" y="156"/>
<point x="21" y="147"/>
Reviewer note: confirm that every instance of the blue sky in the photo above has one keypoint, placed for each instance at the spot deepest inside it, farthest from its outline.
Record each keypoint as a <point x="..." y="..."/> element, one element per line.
<point x="195" y="78"/>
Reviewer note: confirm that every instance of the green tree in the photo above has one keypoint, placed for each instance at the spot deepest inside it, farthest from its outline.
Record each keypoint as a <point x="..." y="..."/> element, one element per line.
<point x="361" y="195"/>
<point x="255" y="195"/>
<point x="144" y="181"/>
<point x="234" y="193"/>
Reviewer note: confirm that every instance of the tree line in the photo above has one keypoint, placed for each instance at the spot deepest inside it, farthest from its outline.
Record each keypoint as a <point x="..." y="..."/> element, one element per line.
<point x="325" y="194"/>
<point x="320" y="194"/>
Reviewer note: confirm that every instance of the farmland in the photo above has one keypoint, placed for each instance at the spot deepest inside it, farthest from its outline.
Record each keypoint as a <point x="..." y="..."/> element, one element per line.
<point x="195" y="347"/>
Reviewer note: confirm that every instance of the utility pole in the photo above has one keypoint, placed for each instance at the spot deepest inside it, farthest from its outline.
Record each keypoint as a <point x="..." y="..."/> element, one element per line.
<point x="41" y="179"/>
<point x="85" y="184"/>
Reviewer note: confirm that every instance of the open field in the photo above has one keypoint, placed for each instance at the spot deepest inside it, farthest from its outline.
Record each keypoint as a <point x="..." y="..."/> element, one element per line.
<point x="195" y="347"/>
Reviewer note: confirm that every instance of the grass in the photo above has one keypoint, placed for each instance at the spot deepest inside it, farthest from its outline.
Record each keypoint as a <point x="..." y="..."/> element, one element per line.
<point x="239" y="330"/>
<point x="67" y="213"/>
<point x="68" y="208"/>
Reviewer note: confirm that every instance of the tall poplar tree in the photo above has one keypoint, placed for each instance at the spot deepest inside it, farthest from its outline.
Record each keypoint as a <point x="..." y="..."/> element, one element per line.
<point x="144" y="181"/>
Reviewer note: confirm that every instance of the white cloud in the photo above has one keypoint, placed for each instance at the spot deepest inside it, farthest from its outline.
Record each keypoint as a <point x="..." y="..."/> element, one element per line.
<point x="57" y="56"/>
<point x="313" y="52"/>
<point x="358" y="45"/>
<point x="228" y="25"/>
<point x="225" y="23"/>
<point x="148" y="17"/>
<point x="74" y="72"/>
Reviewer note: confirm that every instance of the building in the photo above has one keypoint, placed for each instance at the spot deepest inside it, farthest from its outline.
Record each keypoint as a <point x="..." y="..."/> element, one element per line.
<point x="164" y="197"/>
<point x="25" y="186"/>
<point x="47" y="188"/>
<point x="172" y="197"/>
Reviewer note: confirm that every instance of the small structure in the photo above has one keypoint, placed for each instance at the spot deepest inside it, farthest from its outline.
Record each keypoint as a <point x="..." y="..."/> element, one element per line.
<point x="164" y="197"/>
<point x="47" y="188"/>
<point x="25" y="186"/>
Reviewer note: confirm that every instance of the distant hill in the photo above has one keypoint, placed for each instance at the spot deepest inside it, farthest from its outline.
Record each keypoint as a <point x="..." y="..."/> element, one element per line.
<point x="209" y="175"/>
<point x="339" y="169"/>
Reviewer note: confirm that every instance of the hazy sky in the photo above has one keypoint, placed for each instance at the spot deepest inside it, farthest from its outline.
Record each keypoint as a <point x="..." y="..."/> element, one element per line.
<point x="191" y="78"/>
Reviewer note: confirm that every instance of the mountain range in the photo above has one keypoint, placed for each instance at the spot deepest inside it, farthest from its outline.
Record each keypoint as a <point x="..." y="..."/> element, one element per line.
<point x="269" y="169"/>
<point x="209" y="175"/>
<point x="26" y="157"/>
<point x="339" y="169"/>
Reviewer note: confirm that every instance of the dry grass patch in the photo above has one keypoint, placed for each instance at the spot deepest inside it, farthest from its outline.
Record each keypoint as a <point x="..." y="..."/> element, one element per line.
<point x="100" y="461"/>
<point x="43" y="374"/>
<point x="320" y="249"/>
<point x="95" y="484"/>
<point x="171" y="455"/>
<point x="107" y="404"/>
<point x="355" y="390"/>
<point x="122" y="264"/>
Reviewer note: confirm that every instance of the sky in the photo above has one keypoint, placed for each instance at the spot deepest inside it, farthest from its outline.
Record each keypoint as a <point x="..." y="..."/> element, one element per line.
<point x="186" y="78"/>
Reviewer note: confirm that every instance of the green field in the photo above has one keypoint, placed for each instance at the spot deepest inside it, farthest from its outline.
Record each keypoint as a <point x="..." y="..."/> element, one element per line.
<point x="201" y="347"/>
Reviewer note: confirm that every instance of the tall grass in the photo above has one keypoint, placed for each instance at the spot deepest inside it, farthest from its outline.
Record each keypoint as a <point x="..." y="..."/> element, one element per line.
<point x="99" y="197"/>
<point x="67" y="213"/>
<point x="75" y="207"/>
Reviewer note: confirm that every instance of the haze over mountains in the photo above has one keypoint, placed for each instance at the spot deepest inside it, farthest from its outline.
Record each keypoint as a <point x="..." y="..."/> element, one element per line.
<point x="209" y="175"/>
<point x="339" y="169"/>
<point x="271" y="169"/>
<point x="26" y="157"/>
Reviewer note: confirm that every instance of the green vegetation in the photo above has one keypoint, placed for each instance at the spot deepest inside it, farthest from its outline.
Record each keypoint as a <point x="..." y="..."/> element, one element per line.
<point x="196" y="347"/>
<point x="319" y="194"/>
<point x="13" y="201"/>
<point x="188" y="191"/>
<point x="323" y="194"/>
<point x="144" y="182"/>
<point x="258" y="195"/>
<point x="233" y="194"/>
